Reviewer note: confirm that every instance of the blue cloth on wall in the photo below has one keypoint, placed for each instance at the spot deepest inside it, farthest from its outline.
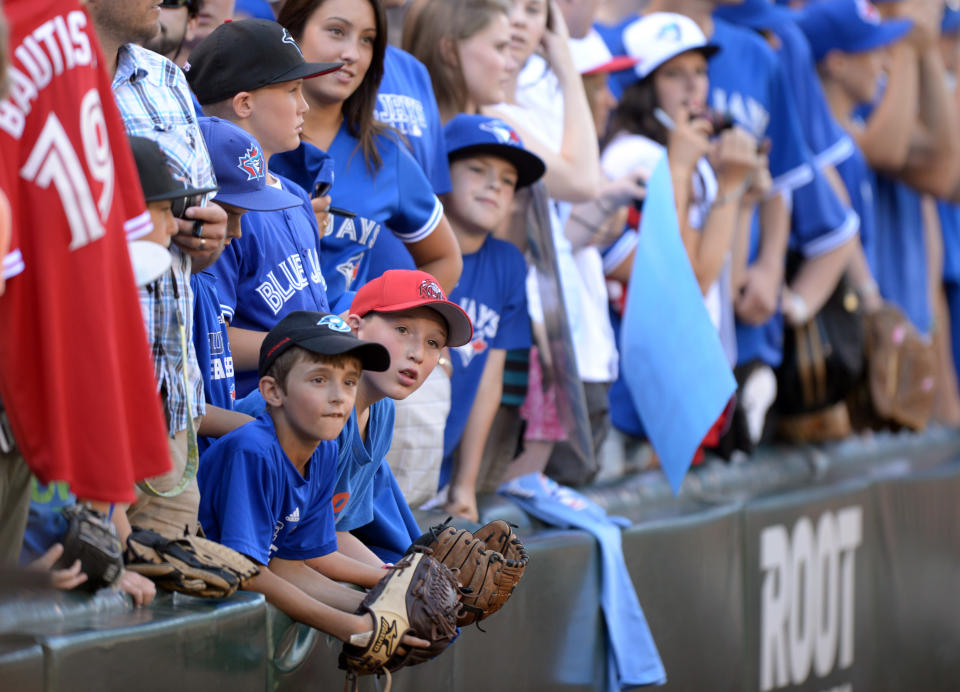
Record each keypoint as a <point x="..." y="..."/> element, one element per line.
<point x="632" y="656"/>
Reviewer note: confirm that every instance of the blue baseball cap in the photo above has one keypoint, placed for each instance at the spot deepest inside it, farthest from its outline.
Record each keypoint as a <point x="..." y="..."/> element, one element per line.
<point x="241" y="169"/>
<point x="474" y="135"/>
<point x="849" y="26"/>
<point x="756" y="14"/>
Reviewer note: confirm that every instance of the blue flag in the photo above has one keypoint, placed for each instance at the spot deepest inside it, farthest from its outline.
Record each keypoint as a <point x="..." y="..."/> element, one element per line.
<point x="671" y="356"/>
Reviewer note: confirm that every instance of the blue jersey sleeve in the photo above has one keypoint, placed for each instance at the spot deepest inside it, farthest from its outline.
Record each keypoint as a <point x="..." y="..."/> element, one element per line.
<point x="420" y="211"/>
<point x="514" y="329"/>
<point x="238" y="495"/>
<point x="316" y="535"/>
<point x="434" y="163"/>
<point x="819" y="222"/>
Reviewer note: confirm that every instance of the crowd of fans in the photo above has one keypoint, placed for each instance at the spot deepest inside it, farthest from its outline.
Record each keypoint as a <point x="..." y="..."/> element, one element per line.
<point x="309" y="149"/>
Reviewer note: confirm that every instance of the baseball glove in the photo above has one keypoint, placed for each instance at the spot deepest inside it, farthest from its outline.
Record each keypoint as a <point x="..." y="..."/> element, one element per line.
<point x="92" y="539"/>
<point x="419" y="596"/>
<point x="190" y="565"/>
<point x="488" y="572"/>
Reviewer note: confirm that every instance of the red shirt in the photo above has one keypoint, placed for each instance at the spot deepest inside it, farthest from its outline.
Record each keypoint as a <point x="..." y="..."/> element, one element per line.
<point x="76" y="378"/>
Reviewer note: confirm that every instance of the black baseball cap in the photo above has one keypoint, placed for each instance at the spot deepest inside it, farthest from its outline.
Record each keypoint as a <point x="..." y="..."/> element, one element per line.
<point x="323" y="333"/>
<point x="155" y="177"/>
<point x="247" y="55"/>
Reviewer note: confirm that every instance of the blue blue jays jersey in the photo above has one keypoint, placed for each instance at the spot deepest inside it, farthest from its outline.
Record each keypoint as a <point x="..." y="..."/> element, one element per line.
<point x="406" y="103"/>
<point x="492" y="292"/>
<point x="358" y="462"/>
<point x="271" y="271"/>
<point x="253" y="499"/>
<point x="212" y="346"/>
<point x="761" y="104"/>
<point x="397" y="196"/>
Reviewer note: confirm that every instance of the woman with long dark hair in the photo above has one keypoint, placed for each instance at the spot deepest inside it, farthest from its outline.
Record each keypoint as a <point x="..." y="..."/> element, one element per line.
<point x="374" y="176"/>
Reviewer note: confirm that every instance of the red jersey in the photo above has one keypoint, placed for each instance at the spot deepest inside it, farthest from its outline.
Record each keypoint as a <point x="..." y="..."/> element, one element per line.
<point x="76" y="377"/>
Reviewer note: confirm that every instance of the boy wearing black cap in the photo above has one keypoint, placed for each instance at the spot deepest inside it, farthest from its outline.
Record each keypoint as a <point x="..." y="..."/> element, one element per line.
<point x="267" y="486"/>
<point x="250" y="73"/>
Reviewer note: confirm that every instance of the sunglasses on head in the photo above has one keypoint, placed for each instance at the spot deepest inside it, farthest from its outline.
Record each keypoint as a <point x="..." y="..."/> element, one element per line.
<point x="175" y="3"/>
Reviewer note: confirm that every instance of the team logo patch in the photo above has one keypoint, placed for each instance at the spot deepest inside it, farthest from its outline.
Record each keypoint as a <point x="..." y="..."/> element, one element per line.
<point x="251" y="163"/>
<point x="287" y="38"/>
<point x="430" y="290"/>
<point x="503" y="132"/>
<point x="333" y="322"/>
<point x="670" y="32"/>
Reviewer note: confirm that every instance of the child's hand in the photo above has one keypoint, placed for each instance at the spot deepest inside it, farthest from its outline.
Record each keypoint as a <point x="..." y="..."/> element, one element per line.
<point x="139" y="587"/>
<point x="64" y="579"/>
<point x="462" y="503"/>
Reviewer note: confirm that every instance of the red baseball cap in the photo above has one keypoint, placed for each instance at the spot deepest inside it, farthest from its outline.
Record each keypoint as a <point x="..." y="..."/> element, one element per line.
<point x="405" y="289"/>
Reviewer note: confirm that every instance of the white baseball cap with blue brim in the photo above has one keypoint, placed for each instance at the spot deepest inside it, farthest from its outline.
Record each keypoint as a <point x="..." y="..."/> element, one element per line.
<point x="474" y="135"/>
<point x="241" y="169"/>
<point x="655" y="38"/>
<point x="848" y="26"/>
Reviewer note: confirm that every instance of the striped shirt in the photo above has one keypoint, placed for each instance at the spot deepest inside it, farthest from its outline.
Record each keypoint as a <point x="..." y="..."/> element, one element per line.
<point x="155" y="102"/>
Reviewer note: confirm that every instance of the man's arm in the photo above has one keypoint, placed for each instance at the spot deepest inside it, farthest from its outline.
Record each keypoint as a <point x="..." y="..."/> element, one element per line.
<point x="763" y="279"/>
<point x="462" y="498"/>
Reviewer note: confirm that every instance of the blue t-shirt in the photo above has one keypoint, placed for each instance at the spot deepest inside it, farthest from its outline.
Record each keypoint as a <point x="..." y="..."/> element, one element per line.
<point x="253" y="499"/>
<point x="406" y="102"/>
<point x="271" y="271"/>
<point x="901" y="251"/>
<point x="492" y="292"/>
<point x="398" y="196"/>
<point x="394" y="527"/>
<point x="950" y="229"/>
<point x="357" y="464"/>
<point x="212" y="345"/>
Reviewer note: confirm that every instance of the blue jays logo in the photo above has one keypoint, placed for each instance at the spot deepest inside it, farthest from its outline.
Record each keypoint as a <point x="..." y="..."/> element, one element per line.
<point x="287" y="38"/>
<point x="251" y="163"/>
<point x="503" y="132"/>
<point x="868" y="13"/>
<point x="670" y="32"/>
<point x="333" y="322"/>
<point x="430" y="289"/>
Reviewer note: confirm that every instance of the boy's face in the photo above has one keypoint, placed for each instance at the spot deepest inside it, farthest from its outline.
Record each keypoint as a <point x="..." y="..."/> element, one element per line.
<point x="234" y="214"/>
<point x="482" y="191"/>
<point x="858" y="73"/>
<point x="164" y="223"/>
<point x="414" y="339"/>
<point x="317" y="398"/>
<point x="276" y="117"/>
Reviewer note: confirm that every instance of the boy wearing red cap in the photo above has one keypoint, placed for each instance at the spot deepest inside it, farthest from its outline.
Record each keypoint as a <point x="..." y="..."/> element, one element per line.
<point x="406" y="312"/>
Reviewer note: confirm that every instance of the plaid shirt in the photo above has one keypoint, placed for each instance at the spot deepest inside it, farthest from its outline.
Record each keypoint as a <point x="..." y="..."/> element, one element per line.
<point x="155" y="102"/>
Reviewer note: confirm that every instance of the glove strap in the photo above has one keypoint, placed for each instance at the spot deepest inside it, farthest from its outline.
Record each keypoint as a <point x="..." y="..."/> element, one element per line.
<point x="193" y="452"/>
